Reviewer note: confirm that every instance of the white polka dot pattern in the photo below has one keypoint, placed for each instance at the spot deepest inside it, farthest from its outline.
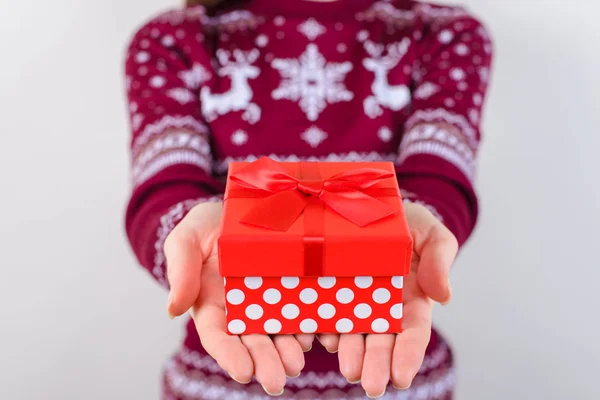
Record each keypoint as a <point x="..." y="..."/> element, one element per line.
<point x="344" y="295"/>
<point x="381" y="296"/>
<point x="287" y="305"/>
<point x="362" y="310"/>
<point x="344" y="325"/>
<point x="253" y="282"/>
<point x="326" y="282"/>
<point x="326" y="311"/>
<point x="380" y="325"/>
<point x="396" y="311"/>
<point x="254" y="311"/>
<point x="290" y="282"/>
<point x="290" y="311"/>
<point x="308" y="296"/>
<point x="397" y="282"/>
<point x="236" y="326"/>
<point x="272" y="326"/>
<point x="363" y="282"/>
<point x="272" y="296"/>
<point x="308" y="326"/>
<point x="235" y="296"/>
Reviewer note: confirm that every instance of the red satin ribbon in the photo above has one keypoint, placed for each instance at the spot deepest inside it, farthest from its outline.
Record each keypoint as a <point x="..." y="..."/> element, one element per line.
<point x="283" y="198"/>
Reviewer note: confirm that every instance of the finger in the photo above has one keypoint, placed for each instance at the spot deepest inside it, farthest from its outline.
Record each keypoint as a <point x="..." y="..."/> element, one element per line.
<point x="377" y="364"/>
<point x="351" y="352"/>
<point x="290" y="353"/>
<point x="306" y="340"/>
<point x="436" y="248"/>
<point x="268" y="367"/>
<point x="411" y="344"/>
<point x="329" y="341"/>
<point x="227" y="350"/>
<point x="186" y="248"/>
<point x="184" y="261"/>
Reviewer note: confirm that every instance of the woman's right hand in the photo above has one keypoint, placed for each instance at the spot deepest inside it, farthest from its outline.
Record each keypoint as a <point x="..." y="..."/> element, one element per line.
<point x="193" y="273"/>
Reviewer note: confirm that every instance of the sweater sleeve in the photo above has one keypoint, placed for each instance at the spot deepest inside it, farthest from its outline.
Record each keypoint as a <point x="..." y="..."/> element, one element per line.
<point x="170" y="143"/>
<point x="437" y="155"/>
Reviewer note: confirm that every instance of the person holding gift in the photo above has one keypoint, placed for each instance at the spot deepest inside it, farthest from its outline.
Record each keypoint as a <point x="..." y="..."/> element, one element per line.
<point x="317" y="80"/>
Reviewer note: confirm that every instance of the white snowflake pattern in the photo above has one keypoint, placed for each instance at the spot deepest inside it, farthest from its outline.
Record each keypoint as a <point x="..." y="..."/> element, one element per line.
<point x="168" y="41"/>
<point x="181" y="95"/>
<point x="446" y="36"/>
<point x="426" y="90"/>
<point x="312" y="81"/>
<point x="142" y="57"/>
<point x="385" y="134"/>
<point x="363" y="35"/>
<point x="239" y="137"/>
<point x="157" y="81"/>
<point x="313" y="136"/>
<point x="311" y="29"/>
<point x="279" y="20"/>
<point x="136" y="121"/>
<point x="474" y="116"/>
<point x="484" y="74"/>
<point x="477" y="99"/>
<point x="461" y="49"/>
<point x="262" y="40"/>
<point x="195" y="76"/>
<point x="458" y="74"/>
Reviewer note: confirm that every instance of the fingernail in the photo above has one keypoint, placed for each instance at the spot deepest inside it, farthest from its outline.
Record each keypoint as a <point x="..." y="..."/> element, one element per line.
<point x="401" y="388"/>
<point x="171" y="316"/>
<point x="236" y="379"/>
<point x="309" y="349"/>
<point x="376" y="397"/>
<point x="273" y="394"/>
<point x="353" y="382"/>
<point x="292" y="377"/>
<point x="445" y="303"/>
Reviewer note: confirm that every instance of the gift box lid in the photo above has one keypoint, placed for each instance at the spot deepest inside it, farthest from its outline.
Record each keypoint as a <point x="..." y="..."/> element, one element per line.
<point x="382" y="248"/>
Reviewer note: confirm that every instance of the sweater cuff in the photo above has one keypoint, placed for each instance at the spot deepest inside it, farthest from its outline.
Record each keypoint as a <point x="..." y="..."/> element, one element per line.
<point x="445" y="201"/>
<point x="149" y="224"/>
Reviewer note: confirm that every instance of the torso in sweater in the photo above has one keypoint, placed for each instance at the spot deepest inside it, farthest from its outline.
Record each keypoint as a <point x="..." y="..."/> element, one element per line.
<point x="348" y="80"/>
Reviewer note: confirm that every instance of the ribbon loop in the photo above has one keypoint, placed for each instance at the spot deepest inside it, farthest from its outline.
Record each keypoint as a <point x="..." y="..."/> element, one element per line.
<point x="284" y="197"/>
<point x="311" y="187"/>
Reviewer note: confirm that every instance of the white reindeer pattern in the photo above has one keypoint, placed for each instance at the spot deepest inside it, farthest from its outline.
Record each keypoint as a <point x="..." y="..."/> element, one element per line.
<point x="239" y="96"/>
<point x="393" y="97"/>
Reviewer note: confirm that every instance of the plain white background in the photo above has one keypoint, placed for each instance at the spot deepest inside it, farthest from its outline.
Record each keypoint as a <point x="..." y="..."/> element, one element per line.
<point x="81" y="321"/>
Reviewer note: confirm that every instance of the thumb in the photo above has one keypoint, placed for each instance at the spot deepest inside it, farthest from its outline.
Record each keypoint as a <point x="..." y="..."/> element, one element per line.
<point x="186" y="249"/>
<point x="436" y="248"/>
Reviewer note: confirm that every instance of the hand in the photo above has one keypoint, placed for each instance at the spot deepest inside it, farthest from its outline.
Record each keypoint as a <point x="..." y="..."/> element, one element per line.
<point x="373" y="359"/>
<point x="193" y="273"/>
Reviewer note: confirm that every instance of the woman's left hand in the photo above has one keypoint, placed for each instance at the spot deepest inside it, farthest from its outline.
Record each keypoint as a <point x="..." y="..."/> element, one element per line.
<point x="376" y="358"/>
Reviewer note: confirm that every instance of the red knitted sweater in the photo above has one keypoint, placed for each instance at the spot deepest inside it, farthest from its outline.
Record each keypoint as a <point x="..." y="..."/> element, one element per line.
<point x="358" y="80"/>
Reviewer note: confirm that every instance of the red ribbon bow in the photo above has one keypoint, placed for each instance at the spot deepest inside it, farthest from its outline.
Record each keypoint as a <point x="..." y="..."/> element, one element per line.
<point x="286" y="196"/>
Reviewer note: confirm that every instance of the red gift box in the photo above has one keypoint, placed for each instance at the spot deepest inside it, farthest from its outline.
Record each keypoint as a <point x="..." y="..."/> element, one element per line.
<point x="313" y="247"/>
